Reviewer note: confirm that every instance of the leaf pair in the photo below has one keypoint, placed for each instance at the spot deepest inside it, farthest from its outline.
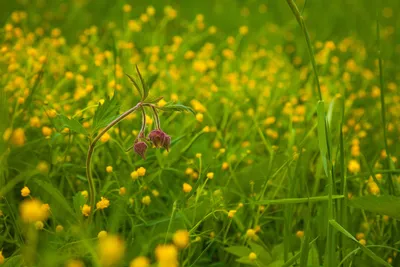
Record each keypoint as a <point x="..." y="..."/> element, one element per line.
<point x="145" y="87"/>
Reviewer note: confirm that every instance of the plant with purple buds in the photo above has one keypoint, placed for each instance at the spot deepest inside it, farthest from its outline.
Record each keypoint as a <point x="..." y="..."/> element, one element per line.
<point x="104" y="119"/>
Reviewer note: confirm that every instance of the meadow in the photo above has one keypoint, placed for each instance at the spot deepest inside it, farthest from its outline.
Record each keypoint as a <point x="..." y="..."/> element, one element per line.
<point x="210" y="133"/>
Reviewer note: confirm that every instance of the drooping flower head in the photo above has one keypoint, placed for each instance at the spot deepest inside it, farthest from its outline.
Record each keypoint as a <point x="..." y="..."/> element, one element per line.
<point x="140" y="149"/>
<point x="160" y="139"/>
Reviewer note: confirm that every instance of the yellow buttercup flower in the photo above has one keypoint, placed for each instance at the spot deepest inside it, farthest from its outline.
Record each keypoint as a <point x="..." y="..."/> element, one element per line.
<point x="167" y="255"/>
<point x="86" y="210"/>
<point x="33" y="210"/>
<point x="25" y="191"/>
<point x="140" y="261"/>
<point x="111" y="250"/>
<point x="181" y="238"/>
<point x="103" y="203"/>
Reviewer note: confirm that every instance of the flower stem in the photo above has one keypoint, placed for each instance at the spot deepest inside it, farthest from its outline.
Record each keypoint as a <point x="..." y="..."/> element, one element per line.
<point x="92" y="188"/>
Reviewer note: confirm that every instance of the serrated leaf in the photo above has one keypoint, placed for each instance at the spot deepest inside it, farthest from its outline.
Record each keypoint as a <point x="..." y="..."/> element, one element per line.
<point x="139" y="89"/>
<point x="154" y="99"/>
<point x="144" y="86"/>
<point x="384" y="205"/>
<point x="176" y="107"/>
<point x="61" y="121"/>
<point x="152" y="80"/>
<point x="105" y="113"/>
<point x="240" y="251"/>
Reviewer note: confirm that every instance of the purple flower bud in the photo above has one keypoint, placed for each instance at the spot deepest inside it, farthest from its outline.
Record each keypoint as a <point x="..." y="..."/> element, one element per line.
<point x="160" y="139"/>
<point x="157" y="137"/>
<point x="140" y="149"/>
<point x="166" y="142"/>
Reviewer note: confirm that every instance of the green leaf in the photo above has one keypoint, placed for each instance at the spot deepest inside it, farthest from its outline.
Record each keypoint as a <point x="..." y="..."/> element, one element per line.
<point x="296" y="200"/>
<point x="78" y="201"/>
<point x="240" y="251"/>
<point x="105" y="113"/>
<point x="55" y="194"/>
<point x="139" y="89"/>
<point x="61" y="121"/>
<point x="151" y="81"/>
<point x="323" y="144"/>
<point x="366" y="250"/>
<point x="144" y="86"/>
<point x="176" y="107"/>
<point x="384" y="205"/>
<point x="154" y="99"/>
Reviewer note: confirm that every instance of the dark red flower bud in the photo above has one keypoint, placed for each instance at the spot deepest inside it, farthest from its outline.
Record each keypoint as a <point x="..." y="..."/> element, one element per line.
<point x="157" y="137"/>
<point x="160" y="139"/>
<point x="166" y="142"/>
<point x="140" y="149"/>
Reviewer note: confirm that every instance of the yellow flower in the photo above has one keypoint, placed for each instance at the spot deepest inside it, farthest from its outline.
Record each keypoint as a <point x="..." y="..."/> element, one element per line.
<point x="59" y="228"/>
<point x="134" y="175"/>
<point x="18" y="137"/>
<point x="181" y="238"/>
<point x="33" y="210"/>
<point x="122" y="191"/>
<point x="199" y="117"/>
<point x="127" y="8"/>
<point x="140" y="261"/>
<point x="169" y="12"/>
<point x="167" y="255"/>
<point x="86" y="210"/>
<point x="243" y="30"/>
<point x="46" y="131"/>
<point x="300" y="234"/>
<point x="146" y="200"/>
<point x="102" y="234"/>
<point x="111" y="250"/>
<point x="43" y="167"/>
<point x="151" y="11"/>
<point x="85" y="193"/>
<point x="210" y="175"/>
<point x="2" y="259"/>
<point x="109" y="169"/>
<point x="25" y="191"/>
<point x="354" y="166"/>
<point x="250" y="233"/>
<point x="103" y="203"/>
<point x="231" y="213"/>
<point x="141" y="171"/>
<point x="75" y="263"/>
<point x="39" y="225"/>
<point x="225" y="165"/>
<point x="187" y="188"/>
<point x="105" y="137"/>
<point x="252" y="256"/>
<point x="363" y="242"/>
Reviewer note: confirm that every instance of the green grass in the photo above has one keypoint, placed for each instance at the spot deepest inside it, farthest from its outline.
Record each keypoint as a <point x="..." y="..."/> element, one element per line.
<point x="282" y="162"/>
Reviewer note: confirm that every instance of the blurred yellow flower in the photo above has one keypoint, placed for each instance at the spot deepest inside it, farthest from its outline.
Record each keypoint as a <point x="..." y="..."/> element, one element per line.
<point x="167" y="255"/>
<point x="140" y="261"/>
<point x="25" y="191"/>
<point x="86" y="210"/>
<point x="32" y="210"/>
<point x="111" y="250"/>
<point x="181" y="238"/>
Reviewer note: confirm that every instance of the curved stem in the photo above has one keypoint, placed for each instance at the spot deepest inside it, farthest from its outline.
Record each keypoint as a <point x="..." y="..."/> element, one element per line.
<point x="142" y="130"/>
<point x="156" y="117"/>
<point x="92" y="189"/>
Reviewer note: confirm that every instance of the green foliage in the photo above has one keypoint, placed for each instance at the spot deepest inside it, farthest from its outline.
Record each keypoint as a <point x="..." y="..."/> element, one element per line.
<point x="62" y="121"/>
<point x="105" y="113"/>
<point x="383" y="205"/>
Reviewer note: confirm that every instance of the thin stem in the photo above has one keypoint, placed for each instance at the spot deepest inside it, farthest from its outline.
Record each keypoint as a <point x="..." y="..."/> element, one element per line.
<point x="92" y="189"/>
<point x="142" y="130"/>
<point x="156" y="117"/>
<point x="383" y="110"/>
